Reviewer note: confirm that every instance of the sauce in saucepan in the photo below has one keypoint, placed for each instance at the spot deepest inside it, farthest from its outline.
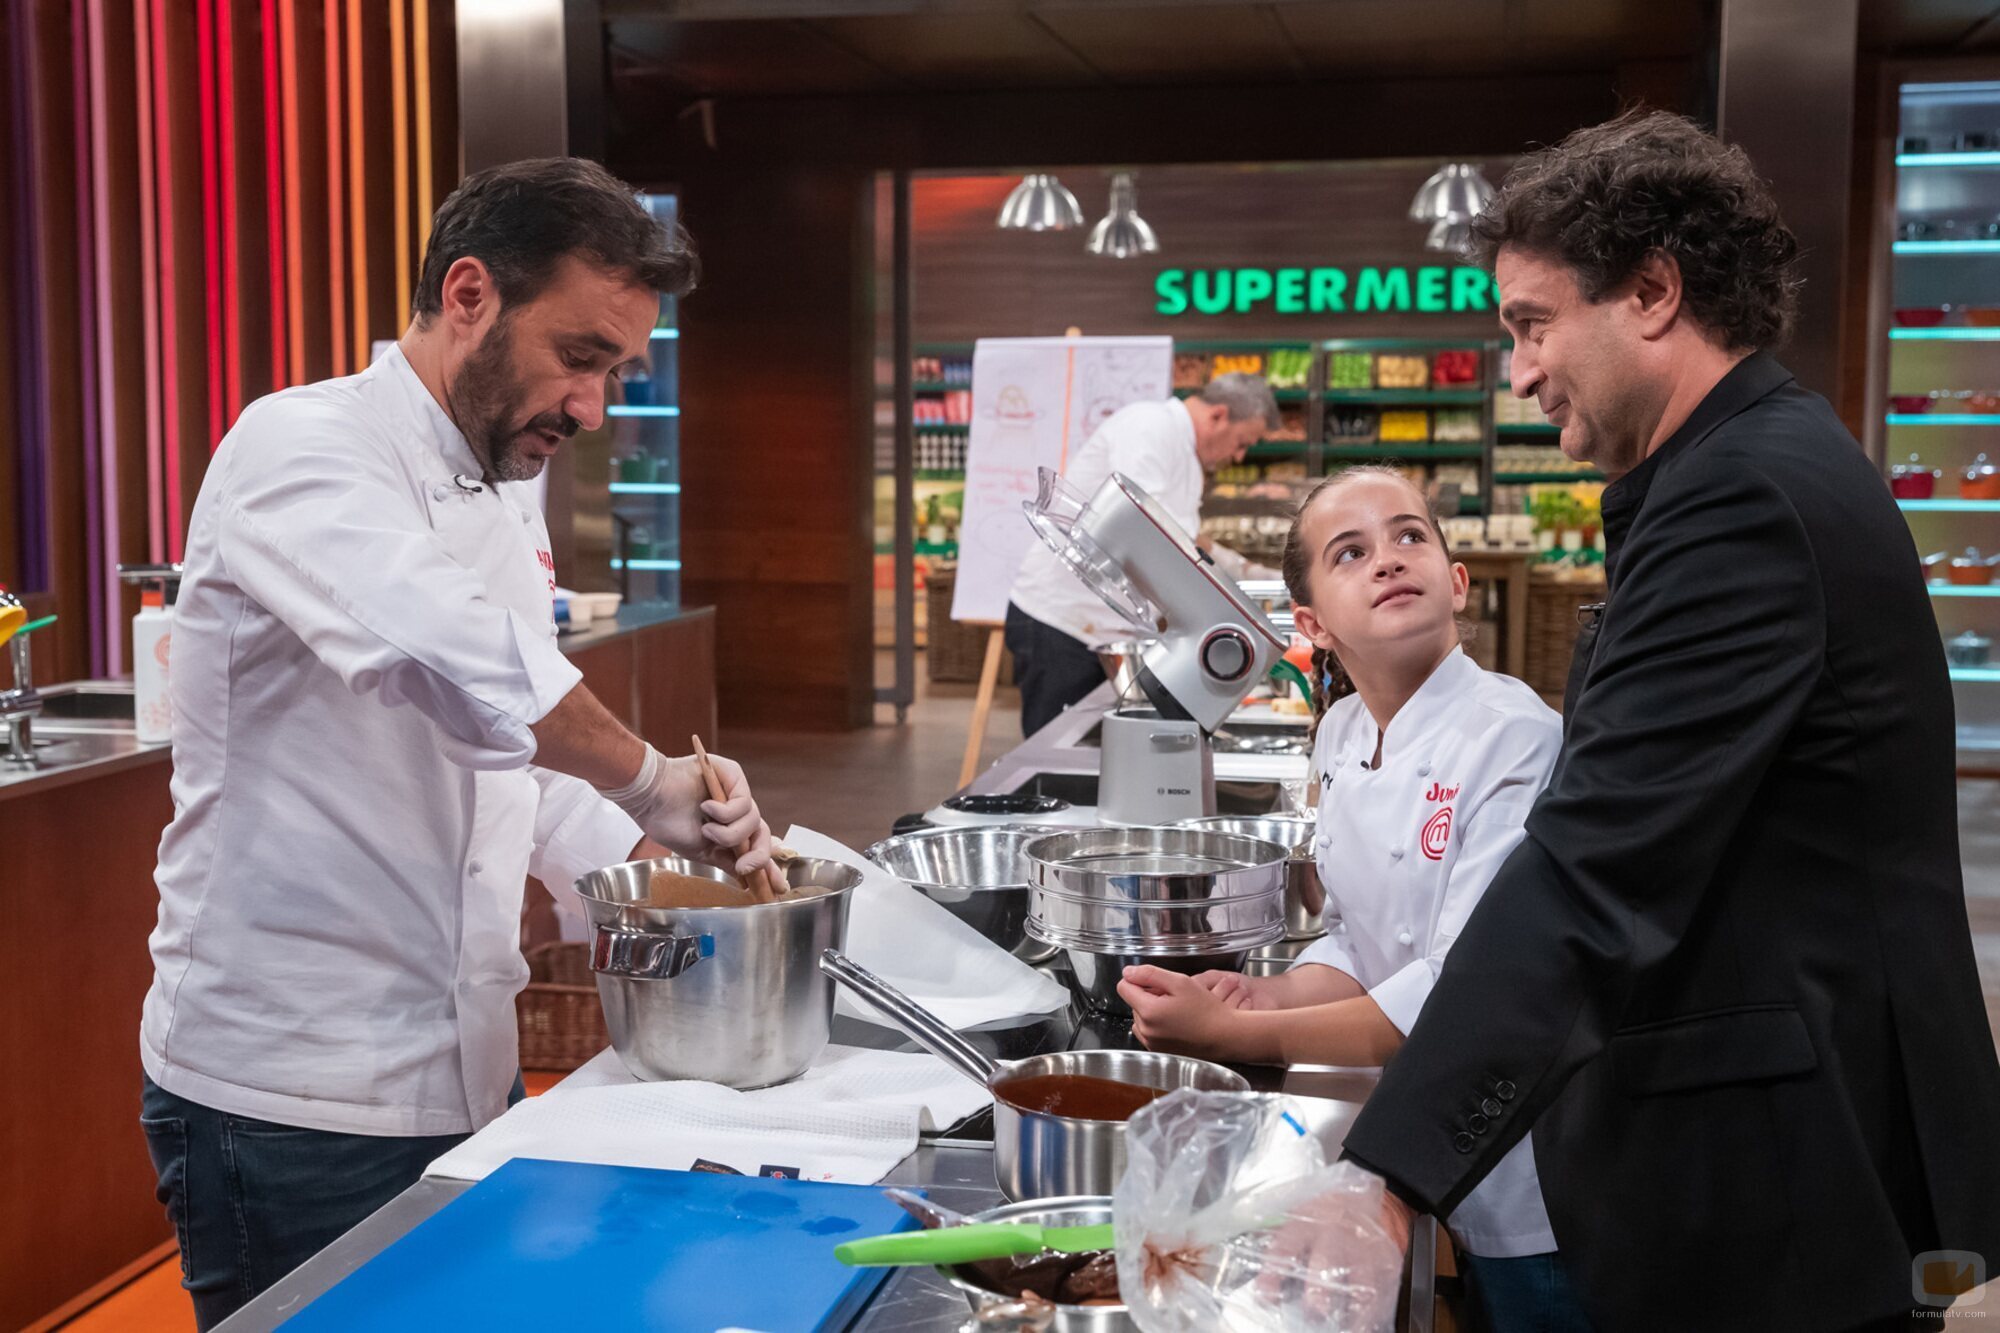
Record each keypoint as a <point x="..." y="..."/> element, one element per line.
<point x="1078" y="1096"/>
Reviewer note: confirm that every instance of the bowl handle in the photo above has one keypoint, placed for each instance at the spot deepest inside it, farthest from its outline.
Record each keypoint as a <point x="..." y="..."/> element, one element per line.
<point x="918" y="1023"/>
<point x="644" y="956"/>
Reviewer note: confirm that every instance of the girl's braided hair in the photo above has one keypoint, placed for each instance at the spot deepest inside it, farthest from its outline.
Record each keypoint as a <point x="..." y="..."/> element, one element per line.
<point x="1330" y="681"/>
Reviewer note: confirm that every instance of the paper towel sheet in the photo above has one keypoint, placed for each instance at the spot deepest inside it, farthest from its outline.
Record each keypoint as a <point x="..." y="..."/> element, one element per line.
<point x="850" y="1118"/>
<point x="927" y="953"/>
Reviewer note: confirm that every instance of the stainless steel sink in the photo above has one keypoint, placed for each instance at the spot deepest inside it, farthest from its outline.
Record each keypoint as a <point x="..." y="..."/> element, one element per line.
<point x="87" y="706"/>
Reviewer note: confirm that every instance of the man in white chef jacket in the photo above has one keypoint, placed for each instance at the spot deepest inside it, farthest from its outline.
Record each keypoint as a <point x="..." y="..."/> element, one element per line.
<point x="1169" y="447"/>
<point x="377" y="739"/>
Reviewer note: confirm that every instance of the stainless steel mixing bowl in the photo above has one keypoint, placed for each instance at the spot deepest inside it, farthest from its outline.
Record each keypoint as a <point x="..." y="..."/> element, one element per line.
<point x="1305" y="899"/>
<point x="730" y="995"/>
<point x="977" y="873"/>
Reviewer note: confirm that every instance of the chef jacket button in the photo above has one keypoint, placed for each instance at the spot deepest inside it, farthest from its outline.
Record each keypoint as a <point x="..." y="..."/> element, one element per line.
<point x="1462" y="1141"/>
<point x="1405" y="939"/>
<point x="1477" y="1123"/>
<point x="1504" y="1090"/>
<point x="475" y="867"/>
<point x="1326" y="840"/>
<point x="1423" y="770"/>
<point x="440" y="492"/>
<point x="1395" y="853"/>
<point x="1490" y="1107"/>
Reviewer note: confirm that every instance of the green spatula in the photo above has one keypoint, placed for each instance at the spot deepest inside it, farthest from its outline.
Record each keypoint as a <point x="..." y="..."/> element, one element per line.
<point x="970" y="1243"/>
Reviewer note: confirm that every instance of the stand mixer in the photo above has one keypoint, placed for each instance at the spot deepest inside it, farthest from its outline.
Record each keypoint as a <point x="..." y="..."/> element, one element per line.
<point x="1208" y="644"/>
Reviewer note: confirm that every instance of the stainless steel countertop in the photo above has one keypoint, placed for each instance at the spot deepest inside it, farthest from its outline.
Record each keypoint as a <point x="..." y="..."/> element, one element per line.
<point x="81" y="750"/>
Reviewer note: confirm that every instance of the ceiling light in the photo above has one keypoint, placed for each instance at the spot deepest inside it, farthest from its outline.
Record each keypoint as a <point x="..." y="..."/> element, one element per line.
<point x="1456" y="190"/>
<point x="1040" y="203"/>
<point x="1122" y="233"/>
<point x="1451" y="235"/>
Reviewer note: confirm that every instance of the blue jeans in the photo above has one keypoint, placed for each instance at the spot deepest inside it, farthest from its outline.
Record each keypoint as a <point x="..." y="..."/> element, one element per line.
<point x="251" y="1200"/>
<point x="1531" y="1294"/>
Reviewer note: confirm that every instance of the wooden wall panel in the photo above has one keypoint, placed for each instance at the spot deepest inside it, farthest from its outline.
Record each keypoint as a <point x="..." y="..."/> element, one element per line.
<point x="194" y="192"/>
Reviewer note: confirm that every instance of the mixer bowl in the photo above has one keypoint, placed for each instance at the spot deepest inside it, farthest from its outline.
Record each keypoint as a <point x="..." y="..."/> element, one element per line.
<point x="978" y="874"/>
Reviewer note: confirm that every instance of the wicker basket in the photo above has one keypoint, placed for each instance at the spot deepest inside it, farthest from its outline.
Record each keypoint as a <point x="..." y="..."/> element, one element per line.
<point x="954" y="651"/>
<point x="560" y="1017"/>
<point x="1553" y="626"/>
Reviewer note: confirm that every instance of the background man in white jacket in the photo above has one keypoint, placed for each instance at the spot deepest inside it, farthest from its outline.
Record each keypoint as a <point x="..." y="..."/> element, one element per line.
<point x="1169" y="447"/>
<point x="377" y="738"/>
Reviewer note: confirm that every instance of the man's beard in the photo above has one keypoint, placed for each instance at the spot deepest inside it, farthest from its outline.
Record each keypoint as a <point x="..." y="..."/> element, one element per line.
<point x="485" y="402"/>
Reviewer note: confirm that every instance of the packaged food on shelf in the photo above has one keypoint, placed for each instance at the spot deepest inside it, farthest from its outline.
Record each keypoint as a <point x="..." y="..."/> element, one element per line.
<point x="1190" y="370"/>
<point x="1235" y="363"/>
<point x="1465" y="476"/>
<point x="1350" y="370"/>
<point x="1288" y="367"/>
<point x="1396" y="371"/>
<point x="1456" y="368"/>
<point x="1457" y="425"/>
<point x="1352" y="425"/>
<point x="1405" y="426"/>
<point x="1291" y="423"/>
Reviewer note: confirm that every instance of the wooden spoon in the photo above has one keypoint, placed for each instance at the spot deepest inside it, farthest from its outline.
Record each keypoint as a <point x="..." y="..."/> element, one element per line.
<point x="760" y="883"/>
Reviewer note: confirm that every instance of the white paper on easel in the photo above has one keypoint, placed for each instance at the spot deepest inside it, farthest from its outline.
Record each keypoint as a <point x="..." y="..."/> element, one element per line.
<point x="1034" y="403"/>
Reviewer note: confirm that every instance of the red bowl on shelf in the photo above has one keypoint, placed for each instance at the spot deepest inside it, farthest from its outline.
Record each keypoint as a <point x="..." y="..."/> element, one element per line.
<point x="1907" y="404"/>
<point x="1921" y="316"/>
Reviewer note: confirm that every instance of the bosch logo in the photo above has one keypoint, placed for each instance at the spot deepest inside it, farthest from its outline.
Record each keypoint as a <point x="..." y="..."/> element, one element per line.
<point x="1437" y="834"/>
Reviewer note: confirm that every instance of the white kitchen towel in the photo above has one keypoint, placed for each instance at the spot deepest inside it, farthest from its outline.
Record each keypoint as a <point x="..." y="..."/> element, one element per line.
<point x="927" y="953"/>
<point x="850" y="1118"/>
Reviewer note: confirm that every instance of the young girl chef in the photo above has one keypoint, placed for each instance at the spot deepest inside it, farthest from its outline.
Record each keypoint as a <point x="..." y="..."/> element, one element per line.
<point x="1427" y="765"/>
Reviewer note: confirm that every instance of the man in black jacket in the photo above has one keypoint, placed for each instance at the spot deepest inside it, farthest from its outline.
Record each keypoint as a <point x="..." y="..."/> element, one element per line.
<point x="1727" y="978"/>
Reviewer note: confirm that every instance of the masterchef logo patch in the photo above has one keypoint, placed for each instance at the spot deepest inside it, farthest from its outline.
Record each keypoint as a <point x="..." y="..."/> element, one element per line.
<point x="1437" y="833"/>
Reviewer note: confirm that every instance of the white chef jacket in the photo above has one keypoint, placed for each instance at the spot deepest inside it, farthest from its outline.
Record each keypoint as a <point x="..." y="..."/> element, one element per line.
<point x="365" y="633"/>
<point x="1153" y="444"/>
<point x="1406" y="851"/>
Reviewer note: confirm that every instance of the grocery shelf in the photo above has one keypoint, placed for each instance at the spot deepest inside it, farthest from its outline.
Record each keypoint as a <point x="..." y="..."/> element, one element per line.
<point x="1395" y="344"/>
<point x="931" y="386"/>
<point x="1949" y="506"/>
<point x="1472" y="397"/>
<point x="1980" y="675"/>
<point x="1946" y="247"/>
<point x="1544" y="478"/>
<point x="947" y="427"/>
<point x="1527" y="428"/>
<point x="939" y="474"/>
<point x="1955" y="333"/>
<point x="1275" y="449"/>
<point x="1964" y="590"/>
<point x="645" y="488"/>
<point x="1944" y="419"/>
<point x="1280" y="395"/>
<point x="666" y="333"/>
<point x="1984" y="740"/>
<point x="1440" y="452"/>
<point x="647" y="564"/>
<point x="641" y="410"/>
<point x="1948" y="159"/>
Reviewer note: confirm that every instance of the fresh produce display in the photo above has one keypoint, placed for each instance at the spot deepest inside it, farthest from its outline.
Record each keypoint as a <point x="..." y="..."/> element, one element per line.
<point x="1457" y="425"/>
<point x="1288" y="367"/>
<point x="1455" y="369"/>
<point x="1350" y="370"/>
<point x="1190" y="370"/>
<point x="1405" y="426"/>
<point x="1235" y="363"/>
<point x="1292" y="424"/>
<point x="1352" y="425"/>
<point x="1395" y="371"/>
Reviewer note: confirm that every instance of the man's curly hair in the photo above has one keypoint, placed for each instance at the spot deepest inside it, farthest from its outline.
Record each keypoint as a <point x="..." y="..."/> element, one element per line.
<point x="1606" y="197"/>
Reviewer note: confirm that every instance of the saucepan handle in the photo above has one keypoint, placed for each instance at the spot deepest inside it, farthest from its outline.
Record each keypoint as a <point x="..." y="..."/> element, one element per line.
<point x="646" y="956"/>
<point x="918" y="1023"/>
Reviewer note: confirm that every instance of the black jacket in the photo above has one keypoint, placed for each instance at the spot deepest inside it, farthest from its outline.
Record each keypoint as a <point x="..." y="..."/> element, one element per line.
<point x="1727" y="976"/>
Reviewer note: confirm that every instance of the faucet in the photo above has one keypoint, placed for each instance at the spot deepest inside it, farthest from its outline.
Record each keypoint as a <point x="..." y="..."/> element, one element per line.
<point x="20" y="705"/>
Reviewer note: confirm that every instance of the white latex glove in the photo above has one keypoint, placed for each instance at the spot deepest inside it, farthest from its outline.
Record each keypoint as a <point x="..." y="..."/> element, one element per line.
<point x="667" y="798"/>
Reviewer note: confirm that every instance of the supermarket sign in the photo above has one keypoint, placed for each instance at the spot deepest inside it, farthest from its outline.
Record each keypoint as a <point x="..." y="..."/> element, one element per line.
<point x="1427" y="290"/>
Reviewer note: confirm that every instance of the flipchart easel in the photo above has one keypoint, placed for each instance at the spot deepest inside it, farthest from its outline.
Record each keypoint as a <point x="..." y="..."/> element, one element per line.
<point x="995" y="474"/>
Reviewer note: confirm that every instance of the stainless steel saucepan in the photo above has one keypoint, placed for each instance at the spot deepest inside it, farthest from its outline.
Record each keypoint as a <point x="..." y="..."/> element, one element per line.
<point x="1037" y="1154"/>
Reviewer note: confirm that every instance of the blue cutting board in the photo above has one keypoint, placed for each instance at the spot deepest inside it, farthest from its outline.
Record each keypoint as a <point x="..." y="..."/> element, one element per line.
<point x="559" y="1245"/>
